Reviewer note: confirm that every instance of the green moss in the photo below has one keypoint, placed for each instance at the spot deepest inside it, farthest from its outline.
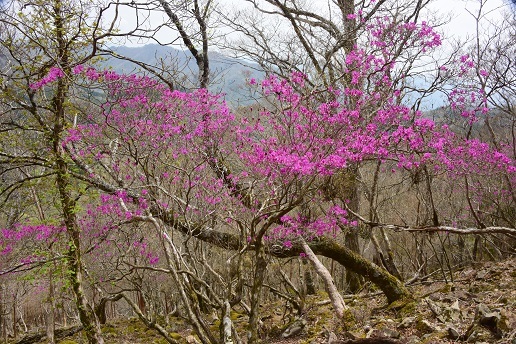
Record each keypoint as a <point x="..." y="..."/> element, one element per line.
<point x="235" y="315"/>
<point x="503" y="323"/>
<point x="175" y="335"/>
<point x="159" y="341"/>
<point x="408" y="309"/>
<point x="447" y="288"/>
<point x="313" y="332"/>
<point x="131" y="329"/>
<point x="109" y="329"/>
<point x="422" y="326"/>
<point x="348" y="319"/>
<point x="215" y="326"/>
<point x="436" y="337"/>
<point x="68" y="341"/>
<point x="399" y="305"/>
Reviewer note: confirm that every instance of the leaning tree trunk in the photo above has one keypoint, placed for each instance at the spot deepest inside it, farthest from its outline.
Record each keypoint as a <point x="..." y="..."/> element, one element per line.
<point x="336" y="299"/>
<point x="392" y="287"/>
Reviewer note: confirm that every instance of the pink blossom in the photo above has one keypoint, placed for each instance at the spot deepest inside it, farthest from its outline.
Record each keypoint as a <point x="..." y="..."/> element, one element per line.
<point x="53" y="74"/>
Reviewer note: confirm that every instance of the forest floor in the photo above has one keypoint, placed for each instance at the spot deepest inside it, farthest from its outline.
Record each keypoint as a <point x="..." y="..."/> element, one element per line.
<point x="479" y="306"/>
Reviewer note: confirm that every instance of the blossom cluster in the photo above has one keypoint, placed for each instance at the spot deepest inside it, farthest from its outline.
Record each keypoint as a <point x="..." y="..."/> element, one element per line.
<point x="53" y="74"/>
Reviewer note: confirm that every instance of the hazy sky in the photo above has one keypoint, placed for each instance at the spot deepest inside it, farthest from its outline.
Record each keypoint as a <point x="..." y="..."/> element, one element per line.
<point x="461" y="25"/>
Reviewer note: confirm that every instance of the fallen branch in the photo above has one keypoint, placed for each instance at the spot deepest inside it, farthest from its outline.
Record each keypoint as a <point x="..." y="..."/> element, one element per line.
<point x="448" y="229"/>
<point x="59" y="334"/>
<point x="454" y="230"/>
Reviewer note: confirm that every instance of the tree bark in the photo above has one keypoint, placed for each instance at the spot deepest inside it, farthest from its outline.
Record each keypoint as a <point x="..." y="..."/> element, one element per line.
<point x="308" y="279"/>
<point x="393" y="288"/>
<point x="100" y="308"/>
<point x="50" y="315"/>
<point x="259" y="276"/>
<point x="335" y="297"/>
<point x="68" y="203"/>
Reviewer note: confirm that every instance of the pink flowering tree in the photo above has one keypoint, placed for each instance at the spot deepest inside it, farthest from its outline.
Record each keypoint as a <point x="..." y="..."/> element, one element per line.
<point x="396" y="38"/>
<point x="182" y="162"/>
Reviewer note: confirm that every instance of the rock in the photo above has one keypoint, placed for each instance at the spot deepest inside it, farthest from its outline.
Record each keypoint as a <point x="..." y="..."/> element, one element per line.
<point x="426" y="336"/>
<point x="453" y="333"/>
<point x="455" y="306"/>
<point x="332" y="338"/>
<point x="435" y="297"/>
<point x="369" y="332"/>
<point x="191" y="340"/>
<point x="425" y="326"/>
<point x="441" y="318"/>
<point x="295" y="328"/>
<point x="434" y="307"/>
<point x="413" y="340"/>
<point x="407" y="322"/>
<point x="452" y="313"/>
<point x="370" y="341"/>
<point x="472" y="337"/>
<point x="503" y="324"/>
<point x="482" y="309"/>
<point x="349" y="335"/>
<point x="488" y="318"/>
<point x="388" y="333"/>
<point x="481" y="274"/>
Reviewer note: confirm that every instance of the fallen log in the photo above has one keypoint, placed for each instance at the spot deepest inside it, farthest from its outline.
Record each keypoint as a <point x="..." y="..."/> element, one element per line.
<point x="59" y="334"/>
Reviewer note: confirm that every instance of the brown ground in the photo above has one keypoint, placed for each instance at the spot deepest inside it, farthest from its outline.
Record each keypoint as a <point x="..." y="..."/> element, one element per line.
<point x="479" y="306"/>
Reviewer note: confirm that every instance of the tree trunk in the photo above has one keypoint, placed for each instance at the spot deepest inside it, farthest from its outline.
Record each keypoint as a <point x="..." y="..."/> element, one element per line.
<point x="68" y="203"/>
<point x="327" y="247"/>
<point x="100" y="308"/>
<point x="353" y="279"/>
<point x="74" y="259"/>
<point x="477" y="249"/>
<point x="226" y="324"/>
<point x="259" y="276"/>
<point x="309" y="281"/>
<point x="3" y="320"/>
<point x="50" y="315"/>
<point x="335" y="297"/>
<point x="393" y="289"/>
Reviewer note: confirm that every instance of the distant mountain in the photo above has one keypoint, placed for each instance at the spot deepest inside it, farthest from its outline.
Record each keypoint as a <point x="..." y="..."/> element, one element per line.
<point x="229" y="75"/>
